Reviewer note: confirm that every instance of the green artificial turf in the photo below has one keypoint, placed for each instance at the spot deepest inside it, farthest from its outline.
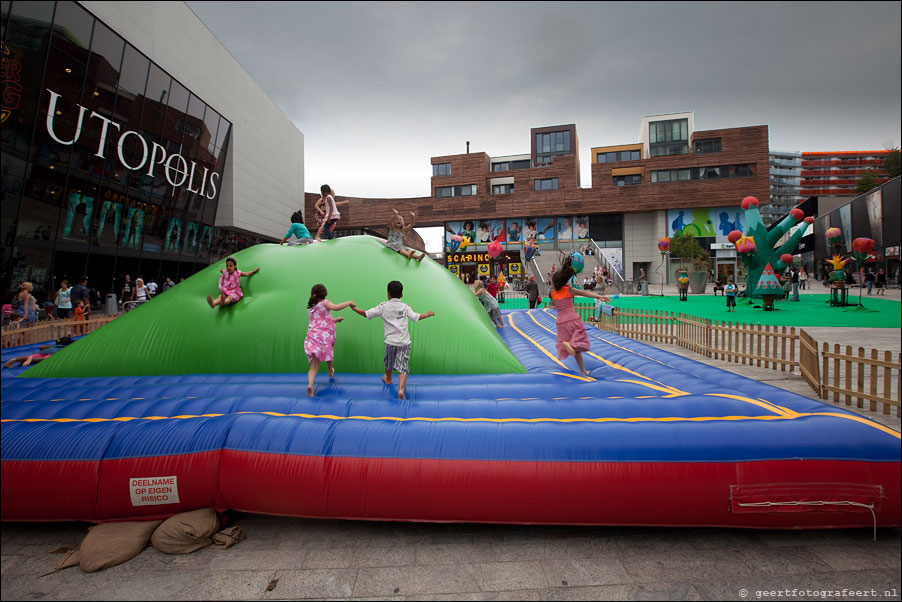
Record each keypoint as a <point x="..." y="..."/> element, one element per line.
<point x="811" y="310"/>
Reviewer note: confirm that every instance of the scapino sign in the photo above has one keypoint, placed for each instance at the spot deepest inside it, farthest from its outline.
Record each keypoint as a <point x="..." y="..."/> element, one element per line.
<point x="176" y="168"/>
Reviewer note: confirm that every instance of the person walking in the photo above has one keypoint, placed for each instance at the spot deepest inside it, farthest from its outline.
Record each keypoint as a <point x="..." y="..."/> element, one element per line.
<point x="881" y="282"/>
<point x="532" y="292"/>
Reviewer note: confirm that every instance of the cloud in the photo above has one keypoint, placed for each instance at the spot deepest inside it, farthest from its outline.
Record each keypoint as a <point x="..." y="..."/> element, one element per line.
<point x="379" y="88"/>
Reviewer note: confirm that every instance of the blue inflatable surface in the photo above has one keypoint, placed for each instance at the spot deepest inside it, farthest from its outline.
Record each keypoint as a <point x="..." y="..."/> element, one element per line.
<point x="549" y="446"/>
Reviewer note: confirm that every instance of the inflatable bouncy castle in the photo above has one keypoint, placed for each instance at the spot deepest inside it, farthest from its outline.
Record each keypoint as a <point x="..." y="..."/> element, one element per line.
<point x="210" y="410"/>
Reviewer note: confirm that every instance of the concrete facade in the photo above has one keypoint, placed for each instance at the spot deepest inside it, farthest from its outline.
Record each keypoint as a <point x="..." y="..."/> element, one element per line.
<point x="263" y="181"/>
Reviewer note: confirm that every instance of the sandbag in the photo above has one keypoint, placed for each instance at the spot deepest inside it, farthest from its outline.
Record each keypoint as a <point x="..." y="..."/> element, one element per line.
<point x="229" y="536"/>
<point x="110" y="544"/>
<point x="186" y="532"/>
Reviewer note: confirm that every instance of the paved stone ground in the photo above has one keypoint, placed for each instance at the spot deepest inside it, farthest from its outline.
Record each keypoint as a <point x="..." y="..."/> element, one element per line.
<point x="343" y="560"/>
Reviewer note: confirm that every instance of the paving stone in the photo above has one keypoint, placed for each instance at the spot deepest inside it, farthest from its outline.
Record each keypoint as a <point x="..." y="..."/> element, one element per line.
<point x="419" y="579"/>
<point x="226" y="585"/>
<point x="513" y="575"/>
<point x="588" y="571"/>
<point x="313" y="583"/>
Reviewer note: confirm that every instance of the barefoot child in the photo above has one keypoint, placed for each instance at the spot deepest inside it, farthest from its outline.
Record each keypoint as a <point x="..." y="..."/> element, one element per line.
<point x="44" y="351"/>
<point x="320" y="341"/>
<point x="489" y="303"/>
<point x="396" y="231"/>
<point x="229" y="286"/>
<point x="571" y="334"/>
<point x="394" y="314"/>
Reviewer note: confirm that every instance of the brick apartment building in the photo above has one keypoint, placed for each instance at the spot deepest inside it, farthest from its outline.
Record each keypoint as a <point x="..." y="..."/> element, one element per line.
<point x="637" y="191"/>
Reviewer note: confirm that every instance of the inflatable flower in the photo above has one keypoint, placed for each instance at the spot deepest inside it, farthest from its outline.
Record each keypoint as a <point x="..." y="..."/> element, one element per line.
<point x="861" y="248"/>
<point x="494" y="249"/>
<point x="834" y="236"/>
<point x="454" y="245"/>
<point x="746" y="245"/>
<point x="749" y="201"/>
<point x="664" y="244"/>
<point x="734" y="236"/>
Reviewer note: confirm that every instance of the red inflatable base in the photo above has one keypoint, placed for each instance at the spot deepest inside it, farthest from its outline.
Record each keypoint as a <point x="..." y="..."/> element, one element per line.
<point x="762" y="494"/>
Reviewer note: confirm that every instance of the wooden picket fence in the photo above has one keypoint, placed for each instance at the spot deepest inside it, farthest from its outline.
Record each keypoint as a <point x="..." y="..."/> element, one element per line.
<point x="844" y="373"/>
<point x="860" y="377"/>
<point x="50" y="330"/>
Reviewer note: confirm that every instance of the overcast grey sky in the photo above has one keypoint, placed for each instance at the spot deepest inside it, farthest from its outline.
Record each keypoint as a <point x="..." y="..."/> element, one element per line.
<point x="379" y="88"/>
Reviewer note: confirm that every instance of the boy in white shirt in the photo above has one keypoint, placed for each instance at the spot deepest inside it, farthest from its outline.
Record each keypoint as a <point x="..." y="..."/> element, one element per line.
<point x="394" y="314"/>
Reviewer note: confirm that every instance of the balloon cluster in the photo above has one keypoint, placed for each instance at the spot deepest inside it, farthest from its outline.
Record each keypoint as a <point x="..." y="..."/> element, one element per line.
<point x="530" y="249"/>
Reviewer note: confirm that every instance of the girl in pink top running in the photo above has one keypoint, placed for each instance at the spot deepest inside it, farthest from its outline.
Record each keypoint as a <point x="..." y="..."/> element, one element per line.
<point x="571" y="334"/>
<point x="229" y="286"/>
<point x="320" y="341"/>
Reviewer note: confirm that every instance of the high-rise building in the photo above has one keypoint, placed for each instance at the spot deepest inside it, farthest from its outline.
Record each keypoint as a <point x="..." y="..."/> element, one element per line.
<point x="836" y="173"/>
<point x="785" y="185"/>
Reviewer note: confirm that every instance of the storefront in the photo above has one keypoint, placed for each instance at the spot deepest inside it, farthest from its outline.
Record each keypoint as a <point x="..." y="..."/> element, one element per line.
<point x="111" y="165"/>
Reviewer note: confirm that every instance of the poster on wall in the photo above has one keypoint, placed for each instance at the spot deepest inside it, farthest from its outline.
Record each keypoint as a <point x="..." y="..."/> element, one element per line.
<point x="514" y="232"/>
<point x="465" y="229"/>
<point x="874" y="203"/>
<point x="705" y="221"/>
<point x="845" y="220"/>
<point x="539" y="228"/>
<point x="565" y="229"/>
<point x="489" y="230"/>
<point x="581" y="230"/>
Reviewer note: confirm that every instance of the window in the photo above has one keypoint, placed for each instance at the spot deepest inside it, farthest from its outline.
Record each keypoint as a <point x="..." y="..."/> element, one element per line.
<point x="441" y="169"/>
<point x="708" y="145"/>
<point x="627" y="180"/>
<point x="449" y="191"/>
<point x="627" y="155"/>
<point x="712" y="172"/>
<point x="668" y="137"/>
<point x="507" y="165"/>
<point x="550" y="144"/>
<point x="502" y="188"/>
<point x="547" y="184"/>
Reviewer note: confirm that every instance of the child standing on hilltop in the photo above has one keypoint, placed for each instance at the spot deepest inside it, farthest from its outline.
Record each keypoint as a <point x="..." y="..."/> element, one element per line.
<point x="396" y="231"/>
<point x="331" y="217"/>
<point x="394" y="314"/>
<point x="571" y="334"/>
<point x="319" y="344"/>
<point x="229" y="286"/>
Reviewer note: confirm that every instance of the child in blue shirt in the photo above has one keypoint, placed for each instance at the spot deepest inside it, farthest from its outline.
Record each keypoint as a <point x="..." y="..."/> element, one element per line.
<point x="298" y="229"/>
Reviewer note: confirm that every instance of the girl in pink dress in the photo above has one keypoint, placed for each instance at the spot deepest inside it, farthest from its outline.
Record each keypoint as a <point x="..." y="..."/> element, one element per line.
<point x="229" y="287"/>
<point x="571" y="334"/>
<point x="320" y="340"/>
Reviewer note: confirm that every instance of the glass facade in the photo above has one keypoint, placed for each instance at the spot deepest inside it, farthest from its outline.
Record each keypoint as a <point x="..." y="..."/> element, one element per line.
<point x="109" y="165"/>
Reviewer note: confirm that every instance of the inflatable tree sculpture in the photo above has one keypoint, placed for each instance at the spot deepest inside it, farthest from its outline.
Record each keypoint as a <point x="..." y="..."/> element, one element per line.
<point x="757" y="247"/>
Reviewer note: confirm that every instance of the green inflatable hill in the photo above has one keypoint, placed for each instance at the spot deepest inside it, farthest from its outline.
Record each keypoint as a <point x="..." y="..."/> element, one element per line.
<point x="178" y="333"/>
